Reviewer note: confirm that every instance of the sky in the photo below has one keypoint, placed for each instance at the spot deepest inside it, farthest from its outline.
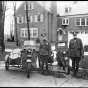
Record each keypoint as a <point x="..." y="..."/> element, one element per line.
<point x="9" y="12"/>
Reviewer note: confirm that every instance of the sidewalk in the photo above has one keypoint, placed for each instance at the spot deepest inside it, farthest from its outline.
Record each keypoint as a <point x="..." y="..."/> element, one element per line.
<point x="51" y="68"/>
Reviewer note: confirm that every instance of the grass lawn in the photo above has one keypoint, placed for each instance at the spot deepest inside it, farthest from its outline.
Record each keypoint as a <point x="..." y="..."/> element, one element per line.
<point x="2" y="56"/>
<point x="8" y="45"/>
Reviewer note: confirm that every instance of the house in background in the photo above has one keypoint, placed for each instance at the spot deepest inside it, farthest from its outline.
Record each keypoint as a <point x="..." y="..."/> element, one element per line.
<point x="74" y="18"/>
<point x="37" y="20"/>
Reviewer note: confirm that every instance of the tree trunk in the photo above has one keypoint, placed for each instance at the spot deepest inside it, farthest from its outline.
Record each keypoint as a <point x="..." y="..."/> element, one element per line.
<point x="2" y="29"/>
<point x="15" y="20"/>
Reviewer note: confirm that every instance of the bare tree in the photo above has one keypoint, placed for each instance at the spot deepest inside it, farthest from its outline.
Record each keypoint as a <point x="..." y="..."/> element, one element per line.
<point x="11" y="30"/>
<point x="2" y="27"/>
<point x="27" y="20"/>
<point x="15" y="20"/>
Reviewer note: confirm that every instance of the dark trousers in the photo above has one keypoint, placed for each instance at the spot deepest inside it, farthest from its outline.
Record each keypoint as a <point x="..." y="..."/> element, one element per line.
<point x="44" y="58"/>
<point x="75" y="64"/>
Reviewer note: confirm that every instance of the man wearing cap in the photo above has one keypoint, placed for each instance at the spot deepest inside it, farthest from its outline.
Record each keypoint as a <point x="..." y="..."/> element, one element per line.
<point x="45" y="51"/>
<point x="75" y="52"/>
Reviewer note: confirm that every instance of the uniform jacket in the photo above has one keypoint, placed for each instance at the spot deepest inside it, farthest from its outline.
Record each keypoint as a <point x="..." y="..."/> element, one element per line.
<point x="45" y="48"/>
<point x="76" y="48"/>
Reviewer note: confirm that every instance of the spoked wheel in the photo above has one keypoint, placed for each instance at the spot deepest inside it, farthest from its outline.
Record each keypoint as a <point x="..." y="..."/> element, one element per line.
<point x="6" y="65"/>
<point x="28" y="69"/>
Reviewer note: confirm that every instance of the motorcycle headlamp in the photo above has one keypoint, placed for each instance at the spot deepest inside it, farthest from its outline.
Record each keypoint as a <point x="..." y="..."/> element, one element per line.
<point x="29" y="51"/>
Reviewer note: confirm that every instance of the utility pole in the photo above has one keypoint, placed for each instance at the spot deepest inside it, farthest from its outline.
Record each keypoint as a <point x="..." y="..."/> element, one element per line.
<point x="44" y="14"/>
<point x="15" y="19"/>
<point x="27" y="20"/>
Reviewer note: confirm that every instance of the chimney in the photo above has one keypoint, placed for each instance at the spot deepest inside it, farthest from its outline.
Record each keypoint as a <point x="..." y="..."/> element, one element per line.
<point x="75" y="2"/>
<point x="54" y="21"/>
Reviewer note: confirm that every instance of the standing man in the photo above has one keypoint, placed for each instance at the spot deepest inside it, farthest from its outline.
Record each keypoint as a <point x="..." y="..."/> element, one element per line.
<point x="45" y="51"/>
<point x="76" y="52"/>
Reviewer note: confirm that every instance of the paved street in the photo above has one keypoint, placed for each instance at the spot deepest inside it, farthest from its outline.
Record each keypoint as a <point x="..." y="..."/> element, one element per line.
<point x="16" y="77"/>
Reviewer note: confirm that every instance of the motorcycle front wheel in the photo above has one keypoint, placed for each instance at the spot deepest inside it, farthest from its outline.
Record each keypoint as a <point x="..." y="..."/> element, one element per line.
<point x="28" y="69"/>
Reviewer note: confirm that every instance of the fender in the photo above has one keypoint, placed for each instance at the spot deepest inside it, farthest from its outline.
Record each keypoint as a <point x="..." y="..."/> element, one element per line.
<point x="6" y="57"/>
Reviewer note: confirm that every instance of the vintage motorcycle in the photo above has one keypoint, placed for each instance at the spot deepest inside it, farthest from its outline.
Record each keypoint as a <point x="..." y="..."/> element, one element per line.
<point x="62" y="56"/>
<point x="22" y="58"/>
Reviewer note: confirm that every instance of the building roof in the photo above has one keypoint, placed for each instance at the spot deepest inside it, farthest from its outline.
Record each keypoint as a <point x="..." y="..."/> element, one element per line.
<point x="79" y="8"/>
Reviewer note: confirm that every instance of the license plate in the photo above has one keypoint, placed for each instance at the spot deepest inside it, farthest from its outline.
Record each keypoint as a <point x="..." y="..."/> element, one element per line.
<point x="66" y="58"/>
<point x="28" y="60"/>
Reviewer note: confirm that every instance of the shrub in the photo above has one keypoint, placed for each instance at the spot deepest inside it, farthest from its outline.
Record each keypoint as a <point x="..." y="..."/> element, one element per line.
<point x="8" y="39"/>
<point x="37" y="40"/>
<point x="84" y="63"/>
<point x="86" y="48"/>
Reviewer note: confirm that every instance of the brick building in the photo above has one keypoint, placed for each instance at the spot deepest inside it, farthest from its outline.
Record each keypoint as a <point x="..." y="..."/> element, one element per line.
<point x="36" y="21"/>
<point x="74" y="18"/>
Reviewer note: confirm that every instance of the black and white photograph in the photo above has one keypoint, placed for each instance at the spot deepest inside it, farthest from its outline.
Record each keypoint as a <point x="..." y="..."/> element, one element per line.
<point x="43" y="43"/>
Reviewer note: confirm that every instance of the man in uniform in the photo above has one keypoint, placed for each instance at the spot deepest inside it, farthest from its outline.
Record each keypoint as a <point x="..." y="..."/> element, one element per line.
<point x="75" y="52"/>
<point x="45" y="51"/>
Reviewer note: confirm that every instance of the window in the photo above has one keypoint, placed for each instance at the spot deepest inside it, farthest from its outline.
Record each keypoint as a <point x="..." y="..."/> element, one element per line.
<point x="30" y="6"/>
<point x="22" y="33"/>
<point x="82" y="21"/>
<point x="20" y="19"/>
<point x="78" y="22"/>
<point x="29" y="19"/>
<point x="33" y="32"/>
<point x="86" y="21"/>
<point x="65" y="21"/>
<point x="26" y="33"/>
<point x="67" y="9"/>
<point x="39" y="18"/>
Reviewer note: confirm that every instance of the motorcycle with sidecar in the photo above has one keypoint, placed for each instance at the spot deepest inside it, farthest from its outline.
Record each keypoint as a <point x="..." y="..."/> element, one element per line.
<point x="62" y="55"/>
<point x="23" y="57"/>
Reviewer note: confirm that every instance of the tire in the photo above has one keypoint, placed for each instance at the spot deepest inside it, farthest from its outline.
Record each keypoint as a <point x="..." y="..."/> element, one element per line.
<point x="6" y="65"/>
<point x="28" y="69"/>
<point x="67" y="70"/>
<point x="7" y="62"/>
